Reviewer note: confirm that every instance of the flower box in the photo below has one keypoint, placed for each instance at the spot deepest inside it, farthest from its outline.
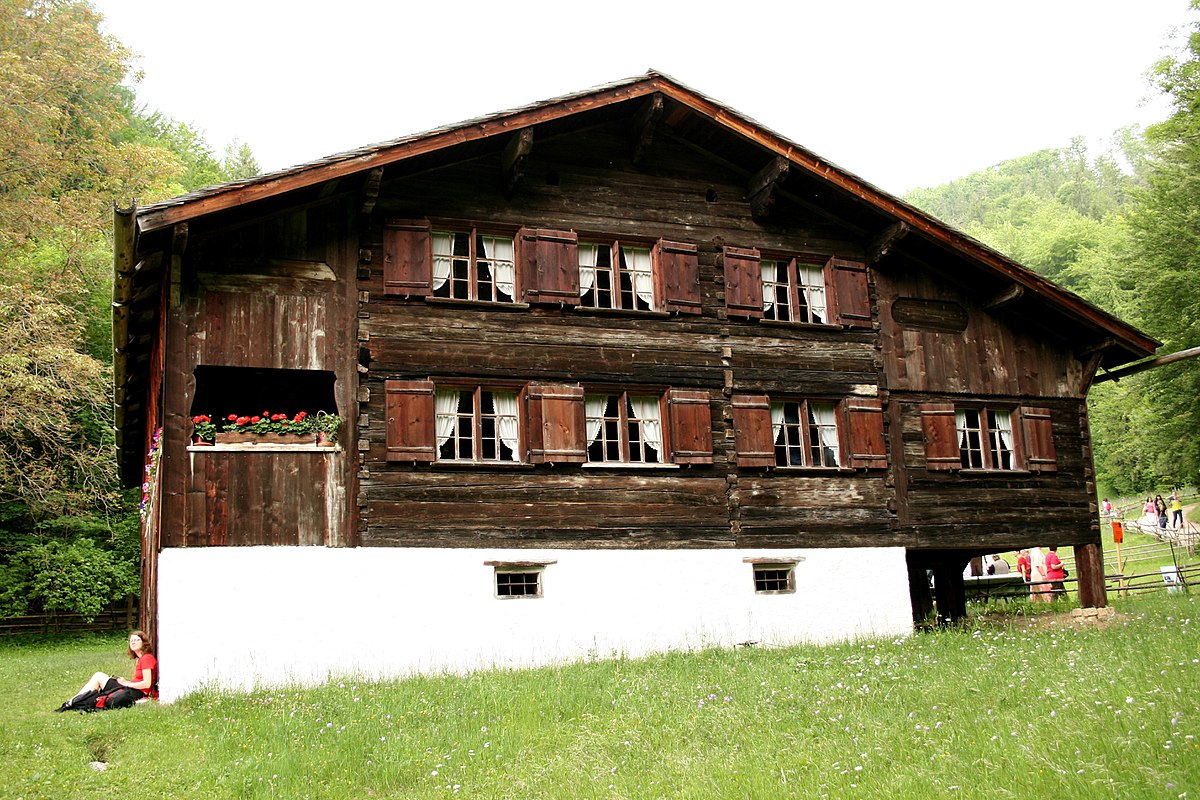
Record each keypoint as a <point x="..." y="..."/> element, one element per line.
<point x="249" y="437"/>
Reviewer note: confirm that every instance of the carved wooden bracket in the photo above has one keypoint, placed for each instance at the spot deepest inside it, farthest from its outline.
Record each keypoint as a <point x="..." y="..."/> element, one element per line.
<point x="762" y="186"/>
<point x="884" y="243"/>
<point x="1009" y="295"/>
<point x="370" y="190"/>
<point x="515" y="152"/>
<point x="644" y="125"/>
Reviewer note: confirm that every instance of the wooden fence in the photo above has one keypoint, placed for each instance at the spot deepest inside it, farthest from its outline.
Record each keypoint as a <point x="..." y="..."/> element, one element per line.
<point x="115" y="618"/>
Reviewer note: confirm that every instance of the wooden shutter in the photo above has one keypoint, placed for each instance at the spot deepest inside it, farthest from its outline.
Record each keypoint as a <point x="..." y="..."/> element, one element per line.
<point x="1037" y="438"/>
<point x="864" y="420"/>
<point x="407" y="257"/>
<point x="549" y="266"/>
<point x="941" y="437"/>
<point x="677" y="272"/>
<point x="743" y="282"/>
<point x="557" y="425"/>
<point x="849" y="298"/>
<point x="691" y="426"/>
<point x="752" y="430"/>
<point x="411" y="416"/>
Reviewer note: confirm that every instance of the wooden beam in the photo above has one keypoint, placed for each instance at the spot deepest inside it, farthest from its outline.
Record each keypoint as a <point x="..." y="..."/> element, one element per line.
<point x="644" y="125"/>
<point x="1142" y="366"/>
<point x="179" y="237"/>
<point x="884" y="243"/>
<point x="370" y="190"/>
<point x="515" y="152"/>
<point x="763" y="184"/>
<point x="1009" y="295"/>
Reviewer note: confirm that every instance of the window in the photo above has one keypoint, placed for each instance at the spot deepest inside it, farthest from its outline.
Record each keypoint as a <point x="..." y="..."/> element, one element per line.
<point x="981" y="438"/>
<point x="793" y="291"/>
<point x="774" y="577"/>
<point x="985" y="438"/>
<point x="518" y="582"/>
<point x="806" y="434"/>
<point x="623" y="428"/>
<point x="476" y="425"/>
<point x="473" y="266"/>
<point x="617" y="276"/>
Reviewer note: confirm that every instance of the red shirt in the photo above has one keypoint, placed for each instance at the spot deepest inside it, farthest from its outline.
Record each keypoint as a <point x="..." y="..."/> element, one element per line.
<point x="151" y="663"/>
<point x="1023" y="567"/>
<point x="1054" y="567"/>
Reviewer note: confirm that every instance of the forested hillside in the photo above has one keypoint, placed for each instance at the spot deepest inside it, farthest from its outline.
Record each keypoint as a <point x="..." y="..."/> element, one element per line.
<point x="72" y="141"/>
<point x="1122" y="229"/>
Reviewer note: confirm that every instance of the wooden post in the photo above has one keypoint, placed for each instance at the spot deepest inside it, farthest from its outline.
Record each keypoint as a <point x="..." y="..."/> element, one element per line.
<point x="1089" y="564"/>
<point x="951" y="595"/>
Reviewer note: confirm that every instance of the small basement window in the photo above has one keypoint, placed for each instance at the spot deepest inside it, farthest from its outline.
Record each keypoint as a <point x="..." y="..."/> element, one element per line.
<point x="245" y="391"/>
<point x="518" y="578"/>
<point x="774" y="577"/>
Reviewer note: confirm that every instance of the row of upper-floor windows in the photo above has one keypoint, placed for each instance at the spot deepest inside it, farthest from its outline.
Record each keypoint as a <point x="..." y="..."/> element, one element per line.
<point x="457" y="423"/>
<point x="535" y="265"/>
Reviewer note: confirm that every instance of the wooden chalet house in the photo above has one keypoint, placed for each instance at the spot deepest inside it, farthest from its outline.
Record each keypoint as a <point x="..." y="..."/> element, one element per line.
<point x="617" y="372"/>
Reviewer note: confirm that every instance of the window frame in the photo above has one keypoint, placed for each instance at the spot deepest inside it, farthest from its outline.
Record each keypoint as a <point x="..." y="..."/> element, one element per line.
<point x="517" y="390"/>
<point x="804" y="429"/>
<point x="537" y="568"/>
<point x="665" y="457"/>
<point x="795" y="287"/>
<point x="615" y="248"/>
<point x="989" y="442"/>
<point x="474" y="233"/>
<point x="787" y="565"/>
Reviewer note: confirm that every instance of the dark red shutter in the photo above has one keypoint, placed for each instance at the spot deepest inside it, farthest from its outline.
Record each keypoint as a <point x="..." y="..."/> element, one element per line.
<point x="941" y="437"/>
<point x="743" y="282"/>
<point x="557" y="425"/>
<point x="411" y="417"/>
<point x="846" y="282"/>
<point x="549" y="264"/>
<point x="407" y="257"/>
<point x="752" y="431"/>
<point x="691" y="426"/>
<point x="864" y="417"/>
<point x="1037" y="435"/>
<point x="677" y="270"/>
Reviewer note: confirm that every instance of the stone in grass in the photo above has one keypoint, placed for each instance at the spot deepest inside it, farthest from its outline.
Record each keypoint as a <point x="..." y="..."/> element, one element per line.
<point x="99" y="766"/>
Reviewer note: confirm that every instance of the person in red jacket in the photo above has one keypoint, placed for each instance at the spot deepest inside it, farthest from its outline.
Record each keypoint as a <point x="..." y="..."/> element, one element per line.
<point x="118" y="692"/>
<point x="1055" y="571"/>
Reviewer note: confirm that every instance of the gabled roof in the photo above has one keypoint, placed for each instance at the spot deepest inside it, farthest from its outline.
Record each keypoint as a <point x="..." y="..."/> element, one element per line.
<point x="704" y="122"/>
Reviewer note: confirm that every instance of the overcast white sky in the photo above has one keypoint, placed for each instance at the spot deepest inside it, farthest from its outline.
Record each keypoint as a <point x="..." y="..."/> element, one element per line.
<point x="902" y="93"/>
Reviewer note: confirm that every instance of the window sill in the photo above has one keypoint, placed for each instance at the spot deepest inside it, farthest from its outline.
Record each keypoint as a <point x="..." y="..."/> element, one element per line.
<point x="621" y="312"/>
<point x="787" y="323"/>
<point x="1020" y="472"/>
<point x="483" y="464"/>
<point x="252" y="447"/>
<point x="625" y="465"/>
<point x="817" y="470"/>
<point x="494" y="305"/>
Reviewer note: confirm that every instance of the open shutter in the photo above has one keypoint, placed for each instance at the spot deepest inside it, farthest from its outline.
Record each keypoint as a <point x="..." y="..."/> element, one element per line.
<point x="677" y="270"/>
<point x="941" y="437"/>
<point x="407" y="257"/>
<point x="691" y="426"/>
<point x="557" y="425"/>
<point x="864" y="420"/>
<point x="752" y="430"/>
<point x="847" y="283"/>
<point x="1037" y="439"/>
<point x="743" y="282"/>
<point x="549" y="266"/>
<point x="411" y="416"/>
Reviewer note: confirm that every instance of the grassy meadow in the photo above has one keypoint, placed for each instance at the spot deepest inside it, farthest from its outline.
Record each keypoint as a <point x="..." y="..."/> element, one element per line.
<point x="1028" y="705"/>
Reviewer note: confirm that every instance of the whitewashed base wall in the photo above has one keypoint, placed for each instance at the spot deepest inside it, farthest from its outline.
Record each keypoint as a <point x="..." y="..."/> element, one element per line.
<point x="244" y="617"/>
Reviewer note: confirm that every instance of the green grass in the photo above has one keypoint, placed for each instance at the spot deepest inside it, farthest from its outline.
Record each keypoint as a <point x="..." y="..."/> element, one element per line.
<point x="1028" y="706"/>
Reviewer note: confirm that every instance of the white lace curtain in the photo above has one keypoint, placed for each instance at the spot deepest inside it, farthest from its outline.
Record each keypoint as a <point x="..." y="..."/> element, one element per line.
<point x="446" y="406"/>
<point x="826" y="419"/>
<point x="646" y="410"/>
<point x="588" y="254"/>
<point x="637" y="259"/>
<point x="594" y="406"/>
<point x="506" y="418"/>
<point x="812" y="279"/>
<point x="500" y="258"/>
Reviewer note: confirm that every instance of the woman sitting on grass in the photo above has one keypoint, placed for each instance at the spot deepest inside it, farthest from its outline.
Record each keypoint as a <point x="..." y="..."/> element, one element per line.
<point x="103" y="691"/>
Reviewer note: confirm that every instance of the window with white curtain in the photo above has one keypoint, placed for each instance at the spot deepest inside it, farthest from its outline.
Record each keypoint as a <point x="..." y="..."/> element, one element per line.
<point x="615" y="275"/>
<point x="468" y="265"/>
<point x="476" y="424"/>
<point x="624" y="428"/>
<point x="806" y="434"/>
<point x="985" y="438"/>
<point x="793" y="291"/>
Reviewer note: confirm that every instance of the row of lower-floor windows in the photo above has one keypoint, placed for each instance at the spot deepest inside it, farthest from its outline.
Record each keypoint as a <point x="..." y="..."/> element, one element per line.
<point x="514" y="582"/>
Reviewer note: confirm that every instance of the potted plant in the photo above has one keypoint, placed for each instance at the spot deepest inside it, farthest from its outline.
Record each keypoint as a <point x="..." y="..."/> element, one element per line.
<point x="268" y="428"/>
<point x="203" y="430"/>
<point x="326" y="426"/>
